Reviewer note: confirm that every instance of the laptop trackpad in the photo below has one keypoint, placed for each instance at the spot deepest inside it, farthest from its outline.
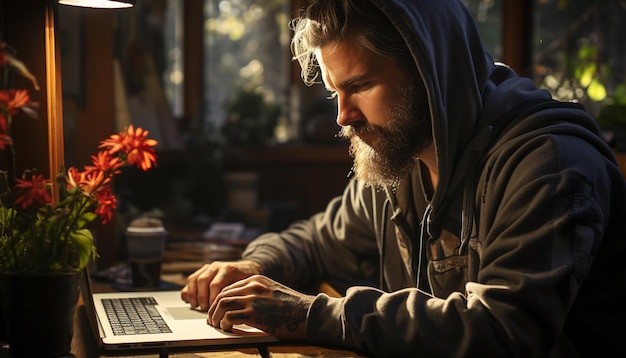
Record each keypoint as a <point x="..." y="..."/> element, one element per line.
<point x="181" y="313"/>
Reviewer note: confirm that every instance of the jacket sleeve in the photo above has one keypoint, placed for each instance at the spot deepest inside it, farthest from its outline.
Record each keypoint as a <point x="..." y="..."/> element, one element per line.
<point x="338" y="243"/>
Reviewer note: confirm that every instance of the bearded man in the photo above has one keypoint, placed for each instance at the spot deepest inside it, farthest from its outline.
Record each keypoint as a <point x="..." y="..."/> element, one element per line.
<point x="486" y="217"/>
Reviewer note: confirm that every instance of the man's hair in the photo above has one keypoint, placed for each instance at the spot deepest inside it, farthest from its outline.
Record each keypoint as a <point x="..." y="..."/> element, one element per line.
<point x="325" y="21"/>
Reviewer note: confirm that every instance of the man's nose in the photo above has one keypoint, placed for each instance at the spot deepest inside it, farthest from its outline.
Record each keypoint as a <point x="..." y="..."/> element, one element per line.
<point x="347" y="112"/>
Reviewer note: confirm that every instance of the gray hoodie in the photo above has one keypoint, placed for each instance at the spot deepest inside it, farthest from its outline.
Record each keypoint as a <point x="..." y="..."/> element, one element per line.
<point x="519" y="252"/>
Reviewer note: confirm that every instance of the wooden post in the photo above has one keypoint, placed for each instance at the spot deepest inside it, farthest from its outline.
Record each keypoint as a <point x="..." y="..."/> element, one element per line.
<point x="516" y="33"/>
<point x="54" y="107"/>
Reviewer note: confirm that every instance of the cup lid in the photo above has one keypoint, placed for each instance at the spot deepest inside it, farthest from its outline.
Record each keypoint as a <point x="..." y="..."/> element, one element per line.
<point x="145" y="230"/>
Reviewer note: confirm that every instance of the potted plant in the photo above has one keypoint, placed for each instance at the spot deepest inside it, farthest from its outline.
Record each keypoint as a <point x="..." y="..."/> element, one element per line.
<point x="250" y="119"/>
<point x="45" y="238"/>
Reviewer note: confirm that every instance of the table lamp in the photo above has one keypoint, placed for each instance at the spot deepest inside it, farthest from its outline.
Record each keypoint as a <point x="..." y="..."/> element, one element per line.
<point x="103" y="4"/>
<point x="53" y="77"/>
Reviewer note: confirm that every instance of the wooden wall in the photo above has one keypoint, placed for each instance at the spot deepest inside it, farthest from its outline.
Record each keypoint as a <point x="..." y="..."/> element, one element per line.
<point x="24" y="30"/>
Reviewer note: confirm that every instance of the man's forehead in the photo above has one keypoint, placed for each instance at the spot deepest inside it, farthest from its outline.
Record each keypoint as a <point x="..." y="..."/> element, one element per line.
<point x="344" y="62"/>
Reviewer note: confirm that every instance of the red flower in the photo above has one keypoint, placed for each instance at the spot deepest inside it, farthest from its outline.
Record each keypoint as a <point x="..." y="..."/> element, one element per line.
<point x="13" y="100"/>
<point x="35" y="190"/>
<point x="19" y="99"/>
<point x="134" y="146"/>
<point x="105" y="162"/>
<point x="73" y="177"/>
<point x="142" y="156"/>
<point x="4" y="138"/>
<point x="89" y="181"/>
<point x="107" y="203"/>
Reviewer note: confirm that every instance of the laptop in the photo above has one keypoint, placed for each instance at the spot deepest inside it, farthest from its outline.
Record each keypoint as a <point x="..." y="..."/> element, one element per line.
<point x="156" y="319"/>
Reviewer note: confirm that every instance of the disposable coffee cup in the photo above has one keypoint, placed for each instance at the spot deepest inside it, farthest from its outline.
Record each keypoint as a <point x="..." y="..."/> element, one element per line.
<point x="145" y="255"/>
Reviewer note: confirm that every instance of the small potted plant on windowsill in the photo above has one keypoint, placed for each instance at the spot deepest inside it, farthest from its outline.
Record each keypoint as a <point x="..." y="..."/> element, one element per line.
<point x="44" y="226"/>
<point x="251" y="122"/>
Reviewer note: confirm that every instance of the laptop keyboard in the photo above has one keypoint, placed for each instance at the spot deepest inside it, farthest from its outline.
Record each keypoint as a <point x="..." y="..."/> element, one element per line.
<point x="136" y="315"/>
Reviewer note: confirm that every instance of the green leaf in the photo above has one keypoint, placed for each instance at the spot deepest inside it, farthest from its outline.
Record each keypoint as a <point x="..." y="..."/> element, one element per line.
<point x="85" y="219"/>
<point x="587" y="75"/>
<point x="83" y="244"/>
<point x="596" y="91"/>
<point x="20" y="68"/>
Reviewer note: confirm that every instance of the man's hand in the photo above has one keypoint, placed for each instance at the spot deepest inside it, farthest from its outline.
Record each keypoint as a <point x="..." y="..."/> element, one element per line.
<point x="204" y="284"/>
<point x="262" y="303"/>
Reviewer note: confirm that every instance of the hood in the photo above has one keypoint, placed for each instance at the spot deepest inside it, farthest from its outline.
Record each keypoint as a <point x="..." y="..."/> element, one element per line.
<point x="468" y="94"/>
<point x="454" y="66"/>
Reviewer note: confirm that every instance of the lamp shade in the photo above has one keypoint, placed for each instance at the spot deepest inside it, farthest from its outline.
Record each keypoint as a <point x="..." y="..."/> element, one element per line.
<point x="103" y="4"/>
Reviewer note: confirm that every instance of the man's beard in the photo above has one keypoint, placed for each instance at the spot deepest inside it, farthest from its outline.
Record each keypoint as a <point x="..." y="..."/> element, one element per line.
<point x="392" y="155"/>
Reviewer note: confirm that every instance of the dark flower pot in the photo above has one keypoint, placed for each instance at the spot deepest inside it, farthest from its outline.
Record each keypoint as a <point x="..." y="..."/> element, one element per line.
<point x="38" y="313"/>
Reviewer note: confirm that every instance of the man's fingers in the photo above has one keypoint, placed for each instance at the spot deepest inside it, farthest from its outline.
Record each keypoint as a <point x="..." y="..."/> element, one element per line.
<point x="206" y="283"/>
<point x="225" y="277"/>
<point x="205" y="289"/>
<point x="228" y="299"/>
<point x="189" y="292"/>
<point x="222" y="307"/>
<point x="195" y="291"/>
<point x="232" y="318"/>
<point x="262" y="303"/>
<point x="184" y="293"/>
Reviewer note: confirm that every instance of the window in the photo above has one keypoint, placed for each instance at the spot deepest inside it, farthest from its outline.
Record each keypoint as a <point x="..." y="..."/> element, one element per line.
<point x="148" y="73"/>
<point x="246" y="51"/>
<point x="578" y="52"/>
<point x="574" y="49"/>
<point x="488" y="17"/>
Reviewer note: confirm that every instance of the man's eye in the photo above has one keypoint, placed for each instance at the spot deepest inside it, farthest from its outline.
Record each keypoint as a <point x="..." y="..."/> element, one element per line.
<point x="356" y="87"/>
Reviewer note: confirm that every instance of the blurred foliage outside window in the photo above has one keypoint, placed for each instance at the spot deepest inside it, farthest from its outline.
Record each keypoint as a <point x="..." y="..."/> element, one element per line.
<point x="247" y="66"/>
<point x="578" y="52"/>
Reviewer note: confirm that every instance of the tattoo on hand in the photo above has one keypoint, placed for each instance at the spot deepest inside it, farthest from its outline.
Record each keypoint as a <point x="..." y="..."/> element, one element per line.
<point x="231" y="303"/>
<point x="289" y="312"/>
<point x="241" y="316"/>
